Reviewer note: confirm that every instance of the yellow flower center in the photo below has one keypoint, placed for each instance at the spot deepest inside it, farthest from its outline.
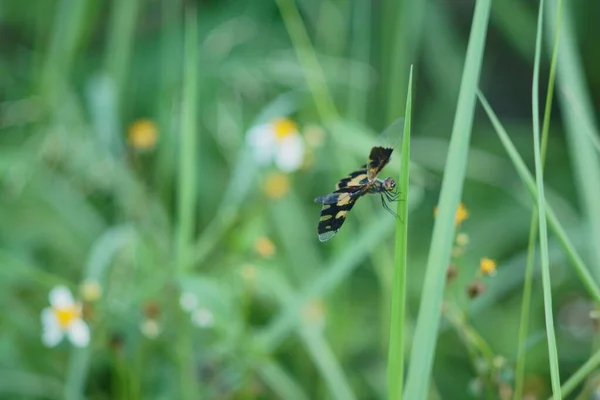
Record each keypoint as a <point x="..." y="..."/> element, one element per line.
<point x="143" y="134"/>
<point x="264" y="247"/>
<point x="487" y="266"/>
<point x="276" y="185"/>
<point x="284" y="127"/>
<point x="66" y="316"/>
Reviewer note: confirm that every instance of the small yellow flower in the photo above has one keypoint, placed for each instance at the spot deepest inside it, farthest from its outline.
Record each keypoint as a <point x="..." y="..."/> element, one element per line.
<point x="90" y="291"/>
<point x="487" y="266"/>
<point x="264" y="247"/>
<point x="63" y="318"/>
<point x="276" y="185"/>
<point x="277" y="141"/>
<point x="461" y="214"/>
<point x="142" y="134"/>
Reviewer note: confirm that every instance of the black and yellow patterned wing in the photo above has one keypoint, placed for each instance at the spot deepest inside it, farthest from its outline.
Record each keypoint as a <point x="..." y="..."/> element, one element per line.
<point x="356" y="178"/>
<point x="335" y="207"/>
<point x="378" y="158"/>
<point x="386" y="142"/>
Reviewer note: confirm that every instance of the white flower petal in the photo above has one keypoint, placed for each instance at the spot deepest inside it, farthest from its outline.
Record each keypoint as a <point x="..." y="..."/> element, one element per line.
<point x="188" y="301"/>
<point x="263" y="143"/>
<point x="290" y="153"/>
<point x="150" y="328"/>
<point x="48" y="317"/>
<point x="203" y="318"/>
<point x="79" y="333"/>
<point x="61" y="297"/>
<point x="51" y="332"/>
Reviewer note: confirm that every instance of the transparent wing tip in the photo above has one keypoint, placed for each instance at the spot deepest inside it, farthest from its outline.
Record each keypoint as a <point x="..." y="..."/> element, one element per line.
<point x="323" y="237"/>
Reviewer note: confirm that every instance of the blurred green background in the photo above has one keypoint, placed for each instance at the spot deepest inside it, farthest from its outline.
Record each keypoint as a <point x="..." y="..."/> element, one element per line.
<point x="124" y="168"/>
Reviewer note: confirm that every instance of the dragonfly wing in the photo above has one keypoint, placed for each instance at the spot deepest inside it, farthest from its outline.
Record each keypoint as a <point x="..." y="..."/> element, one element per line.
<point x="382" y="151"/>
<point x="378" y="158"/>
<point x="356" y="178"/>
<point x="334" y="214"/>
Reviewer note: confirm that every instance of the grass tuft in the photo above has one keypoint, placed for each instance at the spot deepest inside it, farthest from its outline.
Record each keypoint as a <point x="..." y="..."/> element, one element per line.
<point x="426" y="330"/>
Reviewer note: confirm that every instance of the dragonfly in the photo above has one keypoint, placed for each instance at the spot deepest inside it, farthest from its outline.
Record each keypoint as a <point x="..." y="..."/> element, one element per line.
<point x="336" y="205"/>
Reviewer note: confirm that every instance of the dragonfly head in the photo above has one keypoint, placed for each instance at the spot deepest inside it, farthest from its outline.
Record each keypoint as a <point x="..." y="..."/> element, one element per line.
<point x="389" y="184"/>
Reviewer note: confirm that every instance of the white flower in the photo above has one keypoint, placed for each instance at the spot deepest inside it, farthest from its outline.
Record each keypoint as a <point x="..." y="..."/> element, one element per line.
<point x="150" y="328"/>
<point x="188" y="301"/>
<point x="63" y="317"/>
<point x="203" y="317"/>
<point x="277" y="141"/>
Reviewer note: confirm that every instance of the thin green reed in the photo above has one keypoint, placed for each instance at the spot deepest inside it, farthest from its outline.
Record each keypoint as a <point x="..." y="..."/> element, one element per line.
<point x="575" y="259"/>
<point x="186" y="191"/>
<point x="541" y="206"/>
<point x="395" y="371"/>
<point x="528" y="281"/>
<point x="186" y="184"/>
<point x="428" y="320"/>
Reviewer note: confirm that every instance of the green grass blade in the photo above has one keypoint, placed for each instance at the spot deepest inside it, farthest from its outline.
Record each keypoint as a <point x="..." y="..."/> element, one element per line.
<point x="280" y="382"/>
<point x="578" y="115"/>
<point x="186" y="184"/>
<point x="315" y="77"/>
<point x="541" y="205"/>
<point x="528" y="281"/>
<point x="326" y="362"/>
<point x="576" y="261"/>
<point x="120" y="40"/>
<point x="581" y="374"/>
<point x="358" y="99"/>
<point x="331" y="276"/>
<point x="428" y="320"/>
<point x="67" y="29"/>
<point x="525" y="307"/>
<point x="186" y="190"/>
<point x="398" y="307"/>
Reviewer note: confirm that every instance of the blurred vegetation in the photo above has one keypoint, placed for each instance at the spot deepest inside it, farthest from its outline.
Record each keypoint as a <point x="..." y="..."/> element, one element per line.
<point x="124" y="164"/>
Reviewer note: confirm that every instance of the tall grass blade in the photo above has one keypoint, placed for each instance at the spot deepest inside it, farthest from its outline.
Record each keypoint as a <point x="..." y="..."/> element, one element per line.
<point x="315" y="76"/>
<point x="398" y="307"/>
<point x="280" y="382"/>
<point x="528" y="281"/>
<point x="578" y="115"/>
<point x="186" y="183"/>
<point x="326" y="362"/>
<point x="576" y="261"/>
<point x="426" y="331"/>
<point x="541" y="206"/>
<point x="186" y="190"/>
<point x="68" y="23"/>
<point x="120" y="40"/>
<point x="581" y="374"/>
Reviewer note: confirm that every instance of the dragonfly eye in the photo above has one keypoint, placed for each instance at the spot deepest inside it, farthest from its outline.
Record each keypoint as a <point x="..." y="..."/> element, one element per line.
<point x="389" y="184"/>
